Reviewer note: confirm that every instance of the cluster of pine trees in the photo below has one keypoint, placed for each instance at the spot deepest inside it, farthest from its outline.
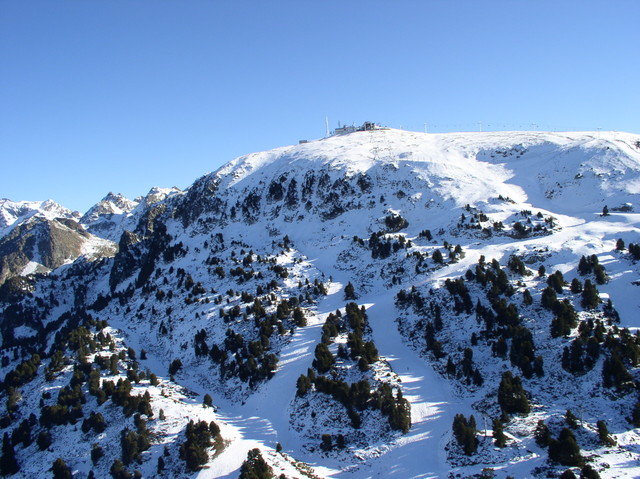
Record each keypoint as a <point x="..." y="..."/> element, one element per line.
<point x="356" y="396"/>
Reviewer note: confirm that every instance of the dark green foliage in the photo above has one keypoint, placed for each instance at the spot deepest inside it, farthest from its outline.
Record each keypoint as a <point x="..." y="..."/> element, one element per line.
<point x="498" y="433"/>
<point x="425" y="234"/>
<point x="634" y="250"/>
<point x="461" y="295"/>
<point x="326" y="443"/>
<point x="395" y="223"/>
<point x="635" y="415"/>
<point x="298" y="317"/>
<point x="568" y="474"/>
<point x="175" y="366"/>
<point x="199" y="437"/>
<point x="207" y="401"/>
<point x="23" y="373"/>
<point x="590" y="264"/>
<point x="527" y="300"/>
<point x="465" y="433"/>
<point x="500" y="347"/>
<point x="43" y="440"/>
<point x="511" y="396"/>
<point x="588" y="472"/>
<point x="60" y="469"/>
<point x="133" y="445"/>
<point x="437" y="257"/>
<point x="556" y="281"/>
<point x="118" y="470"/>
<point x="303" y="385"/>
<point x="96" y="453"/>
<point x="542" y="434"/>
<point x="542" y="270"/>
<point x="570" y="419"/>
<point x="95" y="421"/>
<point x="8" y="462"/>
<point x="22" y="434"/>
<point x="255" y="467"/>
<point x="397" y="409"/>
<point x="548" y="297"/>
<point x="565" y="449"/>
<point x="565" y="318"/>
<point x="576" y="286"/>
<point x="516" y="266"/>
<point x="323" y="358"/>
<point x="614" y="373"/>
<point x="522" y="353"/>
<point x="603" y="434"/>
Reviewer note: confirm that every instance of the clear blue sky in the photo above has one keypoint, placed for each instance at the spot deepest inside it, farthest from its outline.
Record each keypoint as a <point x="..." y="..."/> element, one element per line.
<point x="99" y="96"/>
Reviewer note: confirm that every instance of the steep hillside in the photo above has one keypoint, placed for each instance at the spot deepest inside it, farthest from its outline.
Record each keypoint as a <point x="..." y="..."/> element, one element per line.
<point x="378" y="304"/>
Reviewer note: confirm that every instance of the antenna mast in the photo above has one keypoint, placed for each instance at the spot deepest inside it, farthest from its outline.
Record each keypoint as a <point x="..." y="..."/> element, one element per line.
<point x="326" y="121"/>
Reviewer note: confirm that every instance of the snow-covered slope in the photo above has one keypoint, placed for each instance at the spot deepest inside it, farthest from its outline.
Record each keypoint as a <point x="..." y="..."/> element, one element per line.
<point x="245" y="276"/>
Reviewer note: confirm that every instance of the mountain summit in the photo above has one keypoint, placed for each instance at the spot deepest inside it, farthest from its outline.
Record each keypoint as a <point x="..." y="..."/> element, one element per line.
<point x="378" y="303"/>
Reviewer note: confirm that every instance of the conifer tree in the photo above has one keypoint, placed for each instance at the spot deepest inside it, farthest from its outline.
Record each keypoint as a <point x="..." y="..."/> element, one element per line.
<point x="498" y="433"/>
<point x="60" y="469"/>
<point x="565" y="449"/>
<point x="603" y="434"/>
<point x="590" y="296"/>
<point x="542" y="434"/>
<point x="511" y="395"/>
<point x="8" y="463"/>
<point x="255" y="467"/>
<point x="349" y="292"/>
<point x="588" y="472"/>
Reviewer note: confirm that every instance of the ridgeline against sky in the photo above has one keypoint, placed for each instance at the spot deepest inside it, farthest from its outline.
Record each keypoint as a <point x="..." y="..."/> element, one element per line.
<point x="114" y="96"/>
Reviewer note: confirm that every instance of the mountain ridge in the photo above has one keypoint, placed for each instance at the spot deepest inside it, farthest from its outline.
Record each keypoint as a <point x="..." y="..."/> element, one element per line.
<point x="249" y="277"/>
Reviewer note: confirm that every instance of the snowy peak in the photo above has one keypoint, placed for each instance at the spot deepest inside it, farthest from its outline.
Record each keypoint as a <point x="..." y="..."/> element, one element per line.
<point x="16" y="212"/>
<point x="112" y="204"/>
<point x="569" y="173"/>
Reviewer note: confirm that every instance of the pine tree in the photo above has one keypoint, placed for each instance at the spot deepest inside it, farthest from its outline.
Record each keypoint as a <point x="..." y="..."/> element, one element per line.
<point x="576" y="286"/>
<point x="349" y="292"/>
<point x="60" y="469"/>
<point x="588" y="472"/>
<point x="542" y="434"/>
<point x="498" y="433"/>
<point x="8" y="463"/>
<point x="511" y="396"/>
<point x="324" y="359"/>
<point x="465" y="433"/>
<point x="565" y="449"/>
<point x="603" y="434"/>
<point x="43" y="440"/>
<point x="118" y="471"/>
<point x="590" y="296"/>
<point x="570" y="419"/>
<point x="255" y="467"/>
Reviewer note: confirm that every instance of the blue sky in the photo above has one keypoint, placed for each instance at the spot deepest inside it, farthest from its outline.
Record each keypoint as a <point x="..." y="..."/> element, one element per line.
<point x="124" y="95"/>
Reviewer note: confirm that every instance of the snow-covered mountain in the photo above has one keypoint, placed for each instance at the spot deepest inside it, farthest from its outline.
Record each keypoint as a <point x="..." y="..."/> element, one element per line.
<point x="36" y="237"/>
<point x="341" y="304"/>
<point x="114" y="214"/>
<point x="16" y="212"/>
